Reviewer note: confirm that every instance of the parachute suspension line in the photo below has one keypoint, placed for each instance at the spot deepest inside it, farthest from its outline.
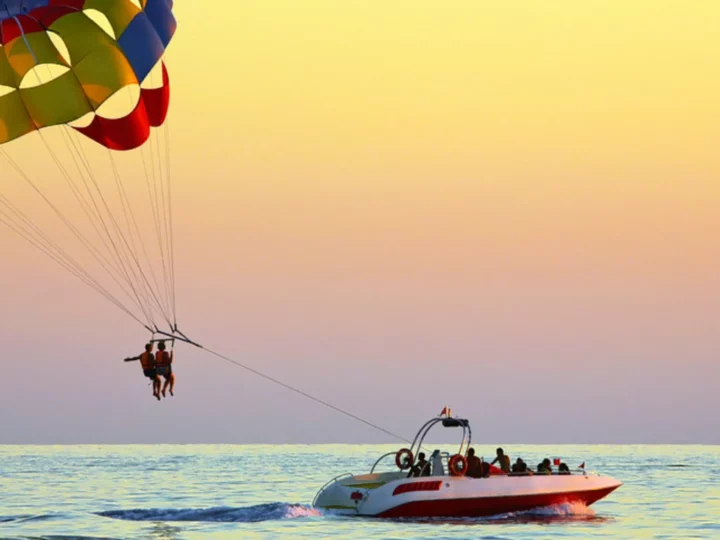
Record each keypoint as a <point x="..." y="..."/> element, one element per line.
<point x="131" y="259"/>
<point x="144" y="284"/>
<point x="107" y="266"/>
<point x="158" y="191"/>
<point x="126" y="203"/>
<point x="162" y="205"/>
<point x="166" y="205"/>
<point x="121" y="253"/>
<point x="170" y="224"/>
<point x="33" y="231"/>
<point x="10" y="222"/>
<point x="91" y="211"/>
<point x="22" y="33"/>
<point x="88" y="170"/>
<point x="170" y="216"/>
<point x="24" y="227"/>
<point x="153" y="207"/>
<point x="123" y="265"/>
<point x="71" y="270"/>
<point x="125" y="258"/>
<point x="76" y="191"/>
<point x="35" y="235"/>
<point x="304" y="394"/>
<point x="93" y="250"/>
<point x="21" y="225"/>
<point x="167" y="210"/>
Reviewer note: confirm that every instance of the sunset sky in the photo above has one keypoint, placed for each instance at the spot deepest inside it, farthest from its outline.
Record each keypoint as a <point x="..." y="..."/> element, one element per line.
<point x="509" y="207"/>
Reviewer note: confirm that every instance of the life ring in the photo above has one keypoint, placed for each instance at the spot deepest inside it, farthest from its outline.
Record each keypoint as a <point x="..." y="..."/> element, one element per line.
<point x="404" y="459"/>
<point x="458" y="465"/>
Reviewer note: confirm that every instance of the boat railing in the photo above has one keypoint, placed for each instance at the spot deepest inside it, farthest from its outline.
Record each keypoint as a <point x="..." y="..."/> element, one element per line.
<point x="572" y="472"/>
<point x="338" y="477"/>
<point x="380" y="459"/>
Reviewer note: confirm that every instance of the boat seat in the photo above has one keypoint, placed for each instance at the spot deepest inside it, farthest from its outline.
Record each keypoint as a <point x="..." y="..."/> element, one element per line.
<point x="437" y="465"/>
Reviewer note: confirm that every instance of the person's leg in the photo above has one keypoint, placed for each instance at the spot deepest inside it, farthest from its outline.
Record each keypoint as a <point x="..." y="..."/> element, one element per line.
<point x="172" y="383"/>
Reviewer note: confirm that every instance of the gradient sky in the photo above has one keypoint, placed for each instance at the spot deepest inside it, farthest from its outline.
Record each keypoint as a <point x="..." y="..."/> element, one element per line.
<point x="509" y="207"/>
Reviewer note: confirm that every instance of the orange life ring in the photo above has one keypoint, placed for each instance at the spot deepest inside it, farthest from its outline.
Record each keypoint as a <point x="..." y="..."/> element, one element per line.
<point x="404" y="459"/>
<point x="458" y="465"/>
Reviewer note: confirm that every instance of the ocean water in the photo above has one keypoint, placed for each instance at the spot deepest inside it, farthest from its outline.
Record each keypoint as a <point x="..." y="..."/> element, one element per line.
<point x="254" y="491"/>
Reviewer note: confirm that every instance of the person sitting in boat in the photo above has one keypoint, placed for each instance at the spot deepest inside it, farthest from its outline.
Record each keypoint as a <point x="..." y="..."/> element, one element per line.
<point x="563" y="469"/>
<point x="474" y="465"/>
<point x="544" y="467"/>
<point x="421" y="468"/>
<point x="163" y="361"/>
<point x="520" y="468"/>
<point x="502" y="460"/>
<point x="147" y="362"/>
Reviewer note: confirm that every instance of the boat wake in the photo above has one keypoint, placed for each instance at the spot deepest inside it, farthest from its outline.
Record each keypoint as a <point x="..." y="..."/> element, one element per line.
<point x="559" y="513"/>
<point x="29" y="517"/>
<point x="220" y="514"/>
<point x="566" y="512"/>
<point x="575" y="509"/>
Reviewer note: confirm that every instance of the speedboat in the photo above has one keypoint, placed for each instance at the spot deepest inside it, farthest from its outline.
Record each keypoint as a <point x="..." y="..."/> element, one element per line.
<point x="445" y="490"/>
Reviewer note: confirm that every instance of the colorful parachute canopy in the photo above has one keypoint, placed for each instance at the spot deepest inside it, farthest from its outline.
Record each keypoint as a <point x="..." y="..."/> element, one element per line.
<point x="99" y="61"/>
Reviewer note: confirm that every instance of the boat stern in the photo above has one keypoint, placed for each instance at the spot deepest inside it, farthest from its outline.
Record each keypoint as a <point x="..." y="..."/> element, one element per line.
<point x="345" y="494"/>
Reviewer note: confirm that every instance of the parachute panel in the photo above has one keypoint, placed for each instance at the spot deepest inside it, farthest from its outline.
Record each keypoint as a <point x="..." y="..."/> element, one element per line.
<point x="93" y="62"/>
<point x="119" y="14"/>
<point x="16" y="26"/>
<point x="47" y="15"/>
<point x="14" y="118"/>
<point x="102" y="73"/>
<point x="141" y="45"/>
<point x="99" y="65"/>
<point x="132" y="130"/>
<point x="22" y="58"/>
<point x="81" y="35"/>
<point x="7" y="75"/>
<point x="157" y="100"/>
<point x="57" y="102"/>
<point x="159" y="13"/>
<point x="43" y="74"/>
<point x="124" y="133"/>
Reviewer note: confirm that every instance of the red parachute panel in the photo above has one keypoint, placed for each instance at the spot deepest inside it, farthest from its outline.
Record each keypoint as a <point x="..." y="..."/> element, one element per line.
<point x="132" y="130"/>
<point x="157" y="100"/>
<point x="124" y="133"/>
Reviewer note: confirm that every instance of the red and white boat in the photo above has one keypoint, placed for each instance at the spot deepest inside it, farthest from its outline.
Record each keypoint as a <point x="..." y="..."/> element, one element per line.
<point x="448" y="492"/>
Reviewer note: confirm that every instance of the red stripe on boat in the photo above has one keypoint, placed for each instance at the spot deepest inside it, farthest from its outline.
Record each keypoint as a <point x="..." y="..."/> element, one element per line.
<point x="488" y="506"/>
<point x="417" y="486"/>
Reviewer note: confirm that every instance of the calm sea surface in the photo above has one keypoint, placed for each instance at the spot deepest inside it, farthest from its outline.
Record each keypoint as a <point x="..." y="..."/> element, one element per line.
<point x="254" y="491"/>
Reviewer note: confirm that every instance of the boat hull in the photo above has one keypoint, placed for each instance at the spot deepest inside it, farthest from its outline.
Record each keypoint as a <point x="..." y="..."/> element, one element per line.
<point x="490" y="506"/>
<point x="391" y="495"/>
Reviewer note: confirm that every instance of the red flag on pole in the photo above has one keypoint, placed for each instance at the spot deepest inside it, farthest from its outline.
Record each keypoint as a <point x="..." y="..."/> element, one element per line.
<point x="582" y="466"/>
<point x="444" y="411"/>
<point x="556" y="461"/>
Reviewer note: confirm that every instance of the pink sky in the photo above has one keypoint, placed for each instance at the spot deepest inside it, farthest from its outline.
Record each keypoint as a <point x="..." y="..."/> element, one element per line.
<point x="391" y="224"/>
